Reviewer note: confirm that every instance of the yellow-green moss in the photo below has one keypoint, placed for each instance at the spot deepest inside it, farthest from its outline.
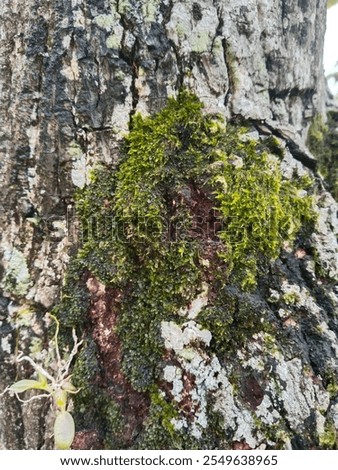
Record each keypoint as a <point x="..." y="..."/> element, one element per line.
<point x="290" y="298"/>
<point x="260" y="208"/>
<point x="322" y="140"/>
<point x="331" y="383"/>
<point x="329" y="440"/>
<point x="127" y="215"/>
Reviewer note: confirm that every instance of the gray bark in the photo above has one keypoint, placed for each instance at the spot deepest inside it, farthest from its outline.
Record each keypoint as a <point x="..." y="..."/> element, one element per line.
<point x="73" y="72"/>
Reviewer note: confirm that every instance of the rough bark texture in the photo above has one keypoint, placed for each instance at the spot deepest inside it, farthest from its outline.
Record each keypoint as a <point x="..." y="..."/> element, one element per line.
<point x="73" y="72"/>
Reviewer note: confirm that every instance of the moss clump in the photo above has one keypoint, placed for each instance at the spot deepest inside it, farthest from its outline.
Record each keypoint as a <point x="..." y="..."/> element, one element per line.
<point x="277" y="436"/>
<point x="162" y="287"/>
<point x="259" y="208"/>
<point x="233" y="320"/>
<point x="74" y="304"/>
<point x="328" y="440"/>
<point x="291" y="298"/>
<point x="138" y="224"/>
<point x="94" y="408"/>
<point x="177" y="148"/>
<point x="323" y="143"/>
<point x="164" y="414"/>
<point x="214" y="437"/>
<point x="159" y="428"/>
<point x="331" y="383"/>
<point x="86" y="370"/>
<point x="191" y="200"/>
<point x="160" y="432"/>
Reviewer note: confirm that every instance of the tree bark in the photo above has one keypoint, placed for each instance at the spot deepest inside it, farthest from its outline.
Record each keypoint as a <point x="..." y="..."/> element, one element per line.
<point x="73" y="73"/>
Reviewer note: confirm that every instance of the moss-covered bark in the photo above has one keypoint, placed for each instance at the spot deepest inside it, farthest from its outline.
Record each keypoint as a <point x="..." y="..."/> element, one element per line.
<point x="176" y="242"/>
<point x="73" y="74"/>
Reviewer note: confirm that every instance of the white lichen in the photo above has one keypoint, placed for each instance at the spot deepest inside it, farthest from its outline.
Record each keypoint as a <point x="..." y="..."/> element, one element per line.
<point x="6" y="345"/>
<point x="188" y="343"/>
<point x="17" y="278"/>
<point x="300" y="396"/>
<point x="176" y="337"/>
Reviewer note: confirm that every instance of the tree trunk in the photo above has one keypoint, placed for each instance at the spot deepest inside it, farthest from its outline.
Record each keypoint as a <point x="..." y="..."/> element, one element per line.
<point x="73" y="74"/>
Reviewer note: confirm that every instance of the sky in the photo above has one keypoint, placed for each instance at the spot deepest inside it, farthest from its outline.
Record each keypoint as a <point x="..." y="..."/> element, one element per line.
<point x="331" y="45"/>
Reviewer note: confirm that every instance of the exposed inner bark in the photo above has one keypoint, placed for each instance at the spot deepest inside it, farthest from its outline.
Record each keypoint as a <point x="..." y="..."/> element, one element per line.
<point x="103" y="315"/>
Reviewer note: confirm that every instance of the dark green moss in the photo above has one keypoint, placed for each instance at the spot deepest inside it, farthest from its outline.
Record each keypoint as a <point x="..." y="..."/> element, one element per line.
<point x="74" y="304"/>
<point x="214" y="436"/>
<point x="161" y="288"/>
<point x="233" y="320"/>
<point x="159" y="429"/>
<point x="94" y="408"/>
<point x="160" y="432"/>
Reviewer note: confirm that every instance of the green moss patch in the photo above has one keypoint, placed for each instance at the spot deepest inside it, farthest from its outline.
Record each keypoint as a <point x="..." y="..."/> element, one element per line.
<point x="192" y="200"/>
<point x="323" y="143"/>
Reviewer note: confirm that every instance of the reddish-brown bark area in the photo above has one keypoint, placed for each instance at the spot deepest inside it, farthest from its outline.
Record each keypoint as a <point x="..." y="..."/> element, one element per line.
<point x="103" y="314"/>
